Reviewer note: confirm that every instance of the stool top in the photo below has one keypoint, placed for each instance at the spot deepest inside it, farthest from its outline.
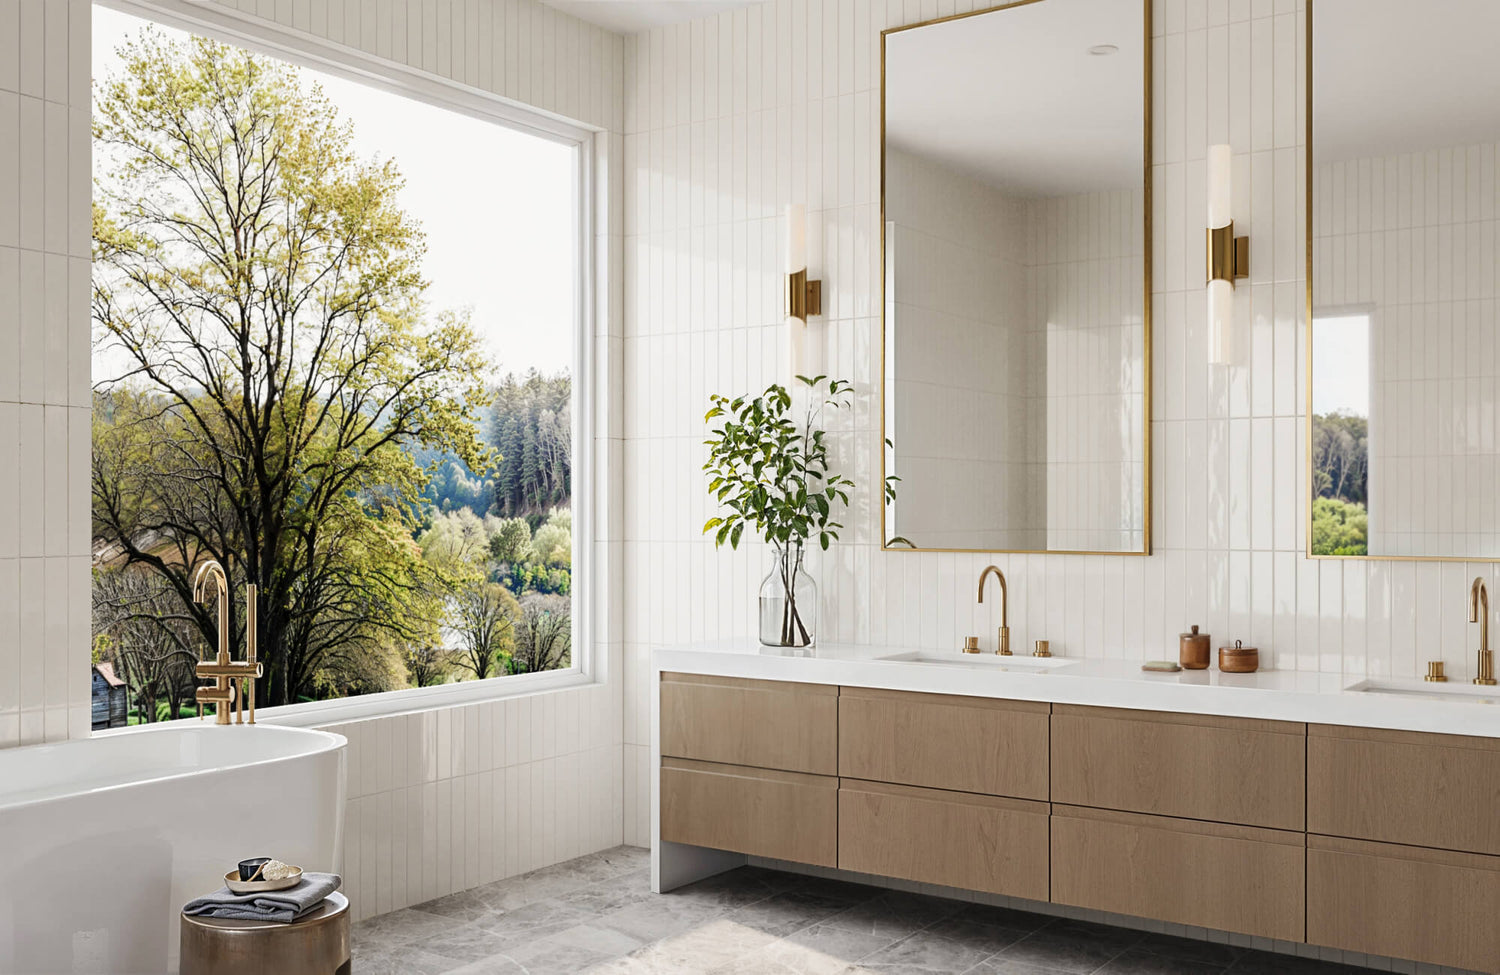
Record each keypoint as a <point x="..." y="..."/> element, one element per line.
<point x="334" y="906"/>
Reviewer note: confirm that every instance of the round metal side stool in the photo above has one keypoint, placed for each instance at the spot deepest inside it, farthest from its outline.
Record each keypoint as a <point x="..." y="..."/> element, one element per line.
<point x="316" y="945"/>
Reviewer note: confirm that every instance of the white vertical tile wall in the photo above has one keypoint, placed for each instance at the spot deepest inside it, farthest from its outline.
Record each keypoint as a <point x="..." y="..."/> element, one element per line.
<point x="730" y="117"/>
<point x="1410" y="241"/>
<point x="441" y="800"/>
<point x="44" y="397"/>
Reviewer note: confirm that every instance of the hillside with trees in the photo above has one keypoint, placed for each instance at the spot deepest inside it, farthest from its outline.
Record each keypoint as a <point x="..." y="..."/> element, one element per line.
<point x="1341" y="470"/>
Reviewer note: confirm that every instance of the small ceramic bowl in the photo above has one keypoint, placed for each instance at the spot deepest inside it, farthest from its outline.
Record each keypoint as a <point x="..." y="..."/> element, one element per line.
<point x="248" y="867"/>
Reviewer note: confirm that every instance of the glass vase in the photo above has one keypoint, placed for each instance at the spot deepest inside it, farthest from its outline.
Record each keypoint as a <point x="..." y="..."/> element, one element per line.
<point x="788" y="601"/>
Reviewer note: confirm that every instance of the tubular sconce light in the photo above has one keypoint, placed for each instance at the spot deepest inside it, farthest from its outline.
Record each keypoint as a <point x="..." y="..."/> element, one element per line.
<point x="1228" y="256"/>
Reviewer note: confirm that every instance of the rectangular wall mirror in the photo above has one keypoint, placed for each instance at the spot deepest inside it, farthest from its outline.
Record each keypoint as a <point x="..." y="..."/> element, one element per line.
<point x="1403" y="124"/>
<point x="1017" y="280"/>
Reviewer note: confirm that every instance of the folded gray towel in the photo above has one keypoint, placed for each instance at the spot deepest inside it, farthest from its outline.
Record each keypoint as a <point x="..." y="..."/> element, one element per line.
<point x="277" y="905"/>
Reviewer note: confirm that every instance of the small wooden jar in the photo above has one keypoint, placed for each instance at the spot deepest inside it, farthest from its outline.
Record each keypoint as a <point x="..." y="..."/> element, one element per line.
<point x="1192" y="650"/>
<point x="1239" y="659"/>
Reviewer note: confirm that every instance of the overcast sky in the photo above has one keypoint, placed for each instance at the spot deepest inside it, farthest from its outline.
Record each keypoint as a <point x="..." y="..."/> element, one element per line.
<point x="496" y="205"/>
<point x="1341" y="364"/>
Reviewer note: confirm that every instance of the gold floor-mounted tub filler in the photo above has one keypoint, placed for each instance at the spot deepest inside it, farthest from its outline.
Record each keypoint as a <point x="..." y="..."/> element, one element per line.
<point x="225" y="672"/>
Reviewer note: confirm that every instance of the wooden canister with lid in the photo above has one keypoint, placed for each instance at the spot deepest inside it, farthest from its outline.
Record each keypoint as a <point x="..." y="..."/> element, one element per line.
<point x="1239" y="659"/>
<point x="1192" y="650"/>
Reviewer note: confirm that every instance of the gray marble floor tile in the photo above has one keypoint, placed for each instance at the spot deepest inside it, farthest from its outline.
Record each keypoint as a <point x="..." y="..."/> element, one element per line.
<point x="1068" y="953"/>
<point x="929" y="951"/>
<point x="1137" y="962"/>
<point x="402" y="927"/>
<point x="1189" y="949"/>
<point x="400" y="960"/>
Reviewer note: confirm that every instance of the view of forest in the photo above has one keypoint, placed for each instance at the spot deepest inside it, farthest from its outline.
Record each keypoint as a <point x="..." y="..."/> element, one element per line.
<point x="284" y="399"/>
<point x="1341" y="469"/>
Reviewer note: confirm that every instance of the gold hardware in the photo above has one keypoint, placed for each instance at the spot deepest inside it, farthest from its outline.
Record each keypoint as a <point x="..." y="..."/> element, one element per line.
<point x="224" y="671"/>
<point x="1003" y="643"/>
<point x="803" y="297"/>
<point x="1479" y="612"/>
<point x="1435" y="671"/>
<point x="1148" y="358"/>
<point x="1228" y="255"/>
<point x="1043" y="649"/>
<point x="971" y="644"/>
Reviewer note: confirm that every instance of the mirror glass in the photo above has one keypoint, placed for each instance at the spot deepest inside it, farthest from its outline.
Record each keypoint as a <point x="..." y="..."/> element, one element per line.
<point x="1016" y="279"/>
<point x="1404" y="124"/>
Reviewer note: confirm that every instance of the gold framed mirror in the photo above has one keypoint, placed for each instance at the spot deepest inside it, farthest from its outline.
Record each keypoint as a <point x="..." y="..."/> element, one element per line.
<point x="1403" y="268"/>
<point x="1016" y="279"/>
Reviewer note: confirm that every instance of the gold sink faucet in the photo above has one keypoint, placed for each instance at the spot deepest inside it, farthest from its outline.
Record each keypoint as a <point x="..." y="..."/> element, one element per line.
<point x="1479" y="612"/>
<point x="1003" y="647"/>
<point x="224" y="671"/>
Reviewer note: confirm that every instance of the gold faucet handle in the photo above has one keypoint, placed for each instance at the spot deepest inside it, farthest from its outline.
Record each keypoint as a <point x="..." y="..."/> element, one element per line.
<point x="1043" y="649"/>
<point x="235" y="668"/>
<point x="206" y="695"/>
<point x="971" y="644"/>
<point x="1435" y="672"/>
<point x="1004" y="644"/>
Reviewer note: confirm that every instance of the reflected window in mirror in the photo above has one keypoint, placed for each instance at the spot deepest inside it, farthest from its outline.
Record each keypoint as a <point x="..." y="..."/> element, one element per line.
<point x="1404" y="270"/>
<point x="1016" y="279"/>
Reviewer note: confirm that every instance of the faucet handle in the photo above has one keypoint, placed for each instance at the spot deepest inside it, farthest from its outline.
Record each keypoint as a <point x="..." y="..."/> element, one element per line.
<point x="971" y="644"/>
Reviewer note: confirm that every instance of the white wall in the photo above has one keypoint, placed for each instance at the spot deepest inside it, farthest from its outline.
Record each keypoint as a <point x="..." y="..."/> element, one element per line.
<point x="439" y="801"/>
<point x="1411" y="239"/>
<point x="729" y="118"/>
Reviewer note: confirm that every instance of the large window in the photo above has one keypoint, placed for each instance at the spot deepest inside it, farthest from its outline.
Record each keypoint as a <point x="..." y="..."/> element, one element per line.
<point x="335" y="342"/>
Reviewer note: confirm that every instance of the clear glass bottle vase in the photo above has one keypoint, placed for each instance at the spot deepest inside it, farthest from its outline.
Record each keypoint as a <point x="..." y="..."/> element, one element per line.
<point x="788" y="601"/>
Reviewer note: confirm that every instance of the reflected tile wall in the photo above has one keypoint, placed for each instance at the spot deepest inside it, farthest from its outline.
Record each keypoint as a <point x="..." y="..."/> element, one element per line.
<point x="730" y="117"/>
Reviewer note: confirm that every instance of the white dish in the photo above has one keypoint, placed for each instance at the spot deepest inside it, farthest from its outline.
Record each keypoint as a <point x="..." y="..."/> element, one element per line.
<point x="237" y="886"/>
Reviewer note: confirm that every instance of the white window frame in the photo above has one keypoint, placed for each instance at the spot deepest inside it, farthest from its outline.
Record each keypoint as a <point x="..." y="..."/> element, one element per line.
<point x="230" y="26"/>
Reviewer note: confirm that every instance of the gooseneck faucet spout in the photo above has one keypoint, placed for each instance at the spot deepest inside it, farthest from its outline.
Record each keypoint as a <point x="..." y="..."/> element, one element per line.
<point x="1003" y="646"/>
<point x="1479" y="612"/>
<point x="224" y="671"/>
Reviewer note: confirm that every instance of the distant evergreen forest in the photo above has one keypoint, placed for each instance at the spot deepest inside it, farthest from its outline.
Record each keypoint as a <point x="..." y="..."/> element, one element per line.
<point x="530" y="426"/>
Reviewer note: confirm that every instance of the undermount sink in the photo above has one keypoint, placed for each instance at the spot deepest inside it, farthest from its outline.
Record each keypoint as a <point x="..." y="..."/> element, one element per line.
<point x="991" y="661"/>
<point x="1446" y="690"/>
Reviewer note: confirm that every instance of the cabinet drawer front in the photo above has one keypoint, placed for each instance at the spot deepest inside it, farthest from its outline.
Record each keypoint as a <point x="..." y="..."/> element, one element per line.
<point x="1228" y="770"/>
<point x="766" y="724"/>
<point x="783" y="815"/>
<point x="1404" y="902"/>
<point x="1234" y="878"/>
<point x="1404" y="787"/>
<point x="952" y="838"/>
<point x="944" y="741"/>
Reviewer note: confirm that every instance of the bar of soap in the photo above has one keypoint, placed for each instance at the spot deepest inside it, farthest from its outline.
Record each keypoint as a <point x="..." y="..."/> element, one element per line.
<point x="1163" y="666"/>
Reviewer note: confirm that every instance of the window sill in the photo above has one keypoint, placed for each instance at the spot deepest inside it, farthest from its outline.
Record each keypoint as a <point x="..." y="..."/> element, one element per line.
<point x="317" y="714"/>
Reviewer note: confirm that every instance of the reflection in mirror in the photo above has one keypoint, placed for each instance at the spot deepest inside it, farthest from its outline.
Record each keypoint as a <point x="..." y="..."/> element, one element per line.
<point x="1405" y="121"/>
<point x="1016" y="338"/>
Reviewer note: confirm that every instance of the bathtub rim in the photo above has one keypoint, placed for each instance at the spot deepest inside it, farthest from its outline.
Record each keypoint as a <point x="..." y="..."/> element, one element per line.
<point x="331" y="741"/>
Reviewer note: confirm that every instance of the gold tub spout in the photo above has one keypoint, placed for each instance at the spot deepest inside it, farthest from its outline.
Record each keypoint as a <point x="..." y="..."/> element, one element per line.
<point x="224" y="671"/>
<point x="1003" y="644"/>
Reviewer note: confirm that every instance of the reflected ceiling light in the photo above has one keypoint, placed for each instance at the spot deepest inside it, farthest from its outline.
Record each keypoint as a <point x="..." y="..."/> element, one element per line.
<point x="1228" y="256"/>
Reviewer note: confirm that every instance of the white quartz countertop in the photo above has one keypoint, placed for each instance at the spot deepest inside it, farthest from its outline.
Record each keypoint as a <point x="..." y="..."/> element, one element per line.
<point x="1410" y="705"/>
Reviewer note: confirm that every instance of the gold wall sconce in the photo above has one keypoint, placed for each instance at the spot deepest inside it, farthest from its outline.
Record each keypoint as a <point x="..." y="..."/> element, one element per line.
<point x="1228" y="256"/>
<point x="804" y="298"/>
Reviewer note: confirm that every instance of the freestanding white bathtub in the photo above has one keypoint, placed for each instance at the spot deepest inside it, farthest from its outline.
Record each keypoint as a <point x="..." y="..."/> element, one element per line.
<point x="103" y="840"/>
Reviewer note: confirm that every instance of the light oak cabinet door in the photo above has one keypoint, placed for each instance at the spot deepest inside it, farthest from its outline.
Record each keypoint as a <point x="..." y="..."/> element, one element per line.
<point x="1404" y="902"/>
<point x="784" y="815"/>
<point x="762" y="723"/>
<point x="1234" y="878"/>
<point x="954" y="838"/>
<point x="944" y="741"/>
<point x="1228" y="770"/>
<point x="1404" y="787"/>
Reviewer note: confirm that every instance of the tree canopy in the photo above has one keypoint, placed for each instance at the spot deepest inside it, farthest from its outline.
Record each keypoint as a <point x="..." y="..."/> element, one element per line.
<point x="260" y="290"/>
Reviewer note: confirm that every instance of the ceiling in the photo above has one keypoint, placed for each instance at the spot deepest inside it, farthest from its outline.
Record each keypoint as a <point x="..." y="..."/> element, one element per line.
<point x="1390" y="76"/>
<point x="1015" y="98"/>
<point x="629" y="16"/>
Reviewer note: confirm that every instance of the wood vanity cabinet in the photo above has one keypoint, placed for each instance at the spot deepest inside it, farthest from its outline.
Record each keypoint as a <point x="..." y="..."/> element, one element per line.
<point x="1434" y="906"/>
<point x="957" y="839"/>
<point x="1404" y="787"/>
<point x="1235" y="878"/>
<point x="761" y="723"/>
<point x="1228" y="770"/>
<point x="944" y="741"/>
<point x="762" y="812"/>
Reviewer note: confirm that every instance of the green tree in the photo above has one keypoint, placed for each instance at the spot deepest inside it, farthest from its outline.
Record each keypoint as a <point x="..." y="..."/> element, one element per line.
<point x="1339" y="527"/>
<point x="531" y="428"/>
<point x="479" y="616"/>
<point x="1341" y="456"/>
<point x="260" y="290"/>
